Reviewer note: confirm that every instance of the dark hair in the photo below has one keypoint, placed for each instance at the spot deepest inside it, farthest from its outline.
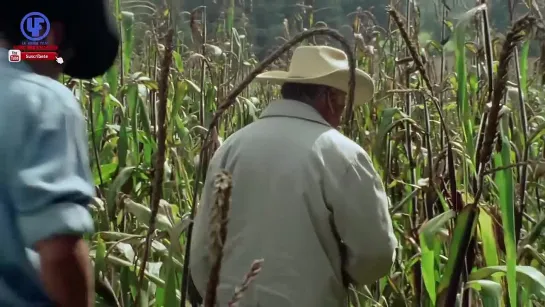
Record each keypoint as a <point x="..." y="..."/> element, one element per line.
<point x="10" y="31"/>
<point x="306" y="93"/>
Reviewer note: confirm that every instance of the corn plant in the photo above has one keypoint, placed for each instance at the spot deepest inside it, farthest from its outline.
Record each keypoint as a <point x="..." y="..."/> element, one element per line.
<point x="456" y="132"/>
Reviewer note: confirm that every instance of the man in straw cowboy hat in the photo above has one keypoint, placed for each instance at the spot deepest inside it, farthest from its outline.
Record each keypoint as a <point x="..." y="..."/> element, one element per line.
<point x="45" y="180"/>
<point x="305" y="198"/>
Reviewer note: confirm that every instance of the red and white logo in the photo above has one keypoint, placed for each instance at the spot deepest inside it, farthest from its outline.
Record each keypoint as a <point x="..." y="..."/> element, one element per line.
<point x="14" y="55"/>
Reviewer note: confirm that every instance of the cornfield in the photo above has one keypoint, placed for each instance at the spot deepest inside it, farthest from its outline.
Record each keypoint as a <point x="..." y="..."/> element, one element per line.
<point x="456" y="130"/>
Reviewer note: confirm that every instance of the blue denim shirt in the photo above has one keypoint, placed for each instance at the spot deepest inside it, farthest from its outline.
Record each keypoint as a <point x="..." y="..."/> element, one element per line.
<point x="45" y="180"/>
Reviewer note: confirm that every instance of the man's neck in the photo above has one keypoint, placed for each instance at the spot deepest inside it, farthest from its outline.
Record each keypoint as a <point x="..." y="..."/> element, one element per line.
<point x="322" y="110"/>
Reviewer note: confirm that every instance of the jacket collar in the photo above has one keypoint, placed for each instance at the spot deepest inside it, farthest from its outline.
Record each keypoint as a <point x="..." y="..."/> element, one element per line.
<point x="294" y="109"/>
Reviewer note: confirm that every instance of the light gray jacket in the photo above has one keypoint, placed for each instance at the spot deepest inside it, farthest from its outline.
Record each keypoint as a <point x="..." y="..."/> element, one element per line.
<point x="297" y="182"/>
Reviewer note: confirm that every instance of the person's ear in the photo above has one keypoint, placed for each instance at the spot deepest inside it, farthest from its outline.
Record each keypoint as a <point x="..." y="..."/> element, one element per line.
<point x="329" y="101"/>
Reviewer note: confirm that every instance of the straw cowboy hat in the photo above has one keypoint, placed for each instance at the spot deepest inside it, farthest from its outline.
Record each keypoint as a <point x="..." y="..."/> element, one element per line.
<point x="322" y="65"/>
<point x="90" y="31"/>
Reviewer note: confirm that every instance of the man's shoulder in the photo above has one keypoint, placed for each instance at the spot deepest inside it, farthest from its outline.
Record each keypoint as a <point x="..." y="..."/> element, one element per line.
<point x="323" y="142"/>
<point x="32" y="92"/>
<point x="333" y="141"/>
<point x="241" y="135"/>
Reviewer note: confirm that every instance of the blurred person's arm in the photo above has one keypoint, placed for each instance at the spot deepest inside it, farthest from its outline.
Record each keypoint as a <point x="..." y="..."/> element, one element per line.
<point x="66" y="271"/>
<point x="361" y="217"/>
<point x="51" y="190"/>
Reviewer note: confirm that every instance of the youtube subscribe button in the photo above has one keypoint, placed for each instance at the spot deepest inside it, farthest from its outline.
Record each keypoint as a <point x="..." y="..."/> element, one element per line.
<point x="38" y="56"/>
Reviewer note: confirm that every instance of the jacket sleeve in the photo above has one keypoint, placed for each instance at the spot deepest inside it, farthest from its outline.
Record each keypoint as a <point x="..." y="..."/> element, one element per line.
<point x="361" y="217"/>
<point x="52" y="183"/>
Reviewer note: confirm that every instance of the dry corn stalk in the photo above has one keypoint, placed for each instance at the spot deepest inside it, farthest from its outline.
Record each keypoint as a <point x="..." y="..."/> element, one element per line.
<point x="218" y="232"/>
<point x="248" y="278"/>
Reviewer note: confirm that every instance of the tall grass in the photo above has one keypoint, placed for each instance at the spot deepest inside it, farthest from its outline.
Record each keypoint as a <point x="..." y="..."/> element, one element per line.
<point x="459" y="146"/>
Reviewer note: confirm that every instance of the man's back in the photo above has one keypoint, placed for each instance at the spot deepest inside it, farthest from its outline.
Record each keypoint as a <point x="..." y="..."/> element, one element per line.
<point x="286" y="167"/>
